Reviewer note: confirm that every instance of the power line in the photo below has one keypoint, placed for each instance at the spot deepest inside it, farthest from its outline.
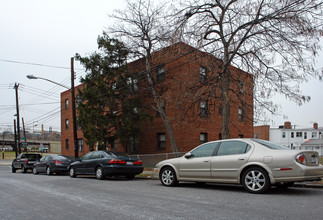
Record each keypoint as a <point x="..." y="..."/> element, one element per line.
<point x="45" y="103"/>
<point x="45" y="117"/>
<point x="36" y="64"/>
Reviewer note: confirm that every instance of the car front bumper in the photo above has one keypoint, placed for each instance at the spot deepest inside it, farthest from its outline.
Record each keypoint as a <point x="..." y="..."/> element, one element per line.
<point x="156" y="173"/>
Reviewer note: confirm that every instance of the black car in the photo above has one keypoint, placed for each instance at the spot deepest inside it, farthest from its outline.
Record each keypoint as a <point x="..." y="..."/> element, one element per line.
<point x="50" y="164"/>
<point x="106" y="163"/>
<point x="25" y="161"/>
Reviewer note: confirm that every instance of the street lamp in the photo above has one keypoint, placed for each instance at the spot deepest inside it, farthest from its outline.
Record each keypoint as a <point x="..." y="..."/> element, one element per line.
<point x="34" y="125"/>
<point x="73" y="103"/>
<point x="37" y="77"/>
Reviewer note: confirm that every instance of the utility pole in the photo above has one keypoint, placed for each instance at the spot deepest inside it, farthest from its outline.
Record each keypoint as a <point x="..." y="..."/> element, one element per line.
<point x="24" y="144"/>
<point x="18" y="124"/>
<point x="16" y="142"/>
<point x="74" y="110"/>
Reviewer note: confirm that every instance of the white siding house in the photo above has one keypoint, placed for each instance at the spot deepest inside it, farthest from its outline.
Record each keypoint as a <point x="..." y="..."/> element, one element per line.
<point x="297" y="138"/>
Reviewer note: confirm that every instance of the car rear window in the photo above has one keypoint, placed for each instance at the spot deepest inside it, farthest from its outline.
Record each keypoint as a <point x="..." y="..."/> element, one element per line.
<point x="270" y="144"/>
<point x="115" y="154"/>
<point x="33" y="156"/>
<point x="62" y="157"/>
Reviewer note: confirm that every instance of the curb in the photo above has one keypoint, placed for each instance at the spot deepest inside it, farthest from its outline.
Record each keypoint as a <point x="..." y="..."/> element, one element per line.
<point x="308" y="185"/>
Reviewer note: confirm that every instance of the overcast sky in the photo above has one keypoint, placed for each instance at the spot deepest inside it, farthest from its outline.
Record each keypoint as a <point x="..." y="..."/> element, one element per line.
<point x="48" y="33"/>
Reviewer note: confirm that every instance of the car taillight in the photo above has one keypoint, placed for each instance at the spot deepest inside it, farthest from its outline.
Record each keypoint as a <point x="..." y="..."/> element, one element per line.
<point x="300" y="158"/>
<point x="139" y="162"/>
<point x="26" y="160"/>
<point x="57" y="162"/>
<point x="117" y="161"/>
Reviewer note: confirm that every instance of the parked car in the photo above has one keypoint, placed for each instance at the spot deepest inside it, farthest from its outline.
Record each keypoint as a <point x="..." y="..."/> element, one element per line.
<point x="106" y="163"/>
<point x="50" y="164"/>
<point x="255" y="164"/>
<point x="25" y="162"/>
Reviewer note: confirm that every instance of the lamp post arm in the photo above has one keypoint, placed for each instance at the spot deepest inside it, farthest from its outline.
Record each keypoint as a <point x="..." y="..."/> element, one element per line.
<point x="54" y="82"/>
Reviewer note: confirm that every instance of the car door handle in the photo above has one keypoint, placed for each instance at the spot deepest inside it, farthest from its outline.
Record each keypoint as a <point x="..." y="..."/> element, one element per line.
<point x="242" y="158"/>
<point x="205" y="161"/>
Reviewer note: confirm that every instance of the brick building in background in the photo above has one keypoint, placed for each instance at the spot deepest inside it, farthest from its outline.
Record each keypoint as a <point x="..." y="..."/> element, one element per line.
<point x="182" y="74"/>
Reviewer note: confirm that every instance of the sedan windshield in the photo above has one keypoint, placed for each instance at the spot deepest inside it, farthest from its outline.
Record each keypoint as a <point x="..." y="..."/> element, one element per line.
<point x="270" y="144"/>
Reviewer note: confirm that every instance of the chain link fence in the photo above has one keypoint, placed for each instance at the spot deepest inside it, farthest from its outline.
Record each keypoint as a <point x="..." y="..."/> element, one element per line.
<point x="150" y="160"/>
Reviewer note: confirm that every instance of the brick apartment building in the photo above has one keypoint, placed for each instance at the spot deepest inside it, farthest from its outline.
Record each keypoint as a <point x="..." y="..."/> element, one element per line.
<point x="179" y="69"/>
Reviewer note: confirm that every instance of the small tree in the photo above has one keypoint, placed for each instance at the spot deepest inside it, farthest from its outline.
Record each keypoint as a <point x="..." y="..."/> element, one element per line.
<point x="109" y="108"/>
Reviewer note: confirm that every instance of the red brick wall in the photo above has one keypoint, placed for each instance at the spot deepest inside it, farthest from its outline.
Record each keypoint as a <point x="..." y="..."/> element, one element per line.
<point x="262" y="132"/>
<point x="187" y="126"/>
<point x="182" y="68"/>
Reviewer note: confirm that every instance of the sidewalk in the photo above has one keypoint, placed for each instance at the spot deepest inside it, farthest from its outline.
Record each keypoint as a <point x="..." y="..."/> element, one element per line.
<point x="5" y="162"/>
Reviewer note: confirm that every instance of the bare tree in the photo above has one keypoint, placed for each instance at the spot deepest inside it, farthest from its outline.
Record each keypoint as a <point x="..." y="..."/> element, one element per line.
<point x="143" y="26"/>
<point x="274" y="40"/>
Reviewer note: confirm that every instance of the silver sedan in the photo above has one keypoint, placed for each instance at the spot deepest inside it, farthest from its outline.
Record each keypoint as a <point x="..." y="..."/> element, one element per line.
<point x="255" y="164"/>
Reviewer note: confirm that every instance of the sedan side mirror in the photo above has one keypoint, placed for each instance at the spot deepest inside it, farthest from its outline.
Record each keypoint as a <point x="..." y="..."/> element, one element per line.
<point x="188" y="155"/>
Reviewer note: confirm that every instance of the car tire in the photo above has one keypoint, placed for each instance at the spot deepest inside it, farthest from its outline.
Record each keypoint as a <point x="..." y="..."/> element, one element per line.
<point x="99" y="173"/>
<point x="35" y="172"/>
<point x="13" y="170"/>
<point x="48" y="171"/>
<point x="256" y="180"/>
<point x="23" y="169"/>
<point x="168" y="177"/>
<point x="72" y="172"/>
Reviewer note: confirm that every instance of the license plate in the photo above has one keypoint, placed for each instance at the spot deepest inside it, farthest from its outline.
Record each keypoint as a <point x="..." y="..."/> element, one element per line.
<point x="313" y="159"/>
<point x="129" y="163"/>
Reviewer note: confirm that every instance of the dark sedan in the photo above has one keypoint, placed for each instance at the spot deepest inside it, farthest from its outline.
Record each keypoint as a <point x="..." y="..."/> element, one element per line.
<point x="50" y="164"/>
<point x="106" y="163"/>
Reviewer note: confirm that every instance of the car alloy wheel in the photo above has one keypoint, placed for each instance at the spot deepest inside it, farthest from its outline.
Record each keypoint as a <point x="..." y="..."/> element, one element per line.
<point x="168" y="177"/>
<point x="48" y="171"/>
<point x="99" y="173"/>
<point x="35" y="171"/>
<point x="72" y="172"/>
<point x="256" y="180"/>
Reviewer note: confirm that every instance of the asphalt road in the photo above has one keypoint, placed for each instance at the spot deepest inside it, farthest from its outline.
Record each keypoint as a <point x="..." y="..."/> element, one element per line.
<point x="28" y="196"/>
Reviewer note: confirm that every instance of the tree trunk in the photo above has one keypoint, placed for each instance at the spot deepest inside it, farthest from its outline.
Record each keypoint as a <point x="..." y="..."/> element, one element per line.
<point x="160" y="109"/>
<point x="225" y="86"/>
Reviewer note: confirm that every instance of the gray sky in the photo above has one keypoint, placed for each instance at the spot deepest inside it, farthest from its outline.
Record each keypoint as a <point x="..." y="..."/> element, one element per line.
<point x="50" y="33"/>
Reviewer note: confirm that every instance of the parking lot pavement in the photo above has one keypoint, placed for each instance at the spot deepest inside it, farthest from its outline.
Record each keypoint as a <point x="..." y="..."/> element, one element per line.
<point x="26" y="196"/>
